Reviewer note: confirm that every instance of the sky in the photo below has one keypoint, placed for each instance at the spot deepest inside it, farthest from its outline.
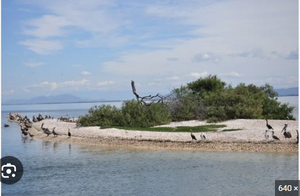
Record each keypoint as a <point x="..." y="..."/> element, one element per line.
<point x="94" y="48"/>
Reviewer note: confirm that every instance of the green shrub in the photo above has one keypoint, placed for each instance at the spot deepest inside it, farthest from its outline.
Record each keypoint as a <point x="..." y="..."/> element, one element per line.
<point x="214" y="101"/>
<point x="132" y="114"/>
<point x="103" y="115"/>
<point x="137" y="114"/>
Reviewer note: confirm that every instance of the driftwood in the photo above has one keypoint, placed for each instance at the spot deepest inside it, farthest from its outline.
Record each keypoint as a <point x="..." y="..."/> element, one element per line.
<point x="147" y="100"/>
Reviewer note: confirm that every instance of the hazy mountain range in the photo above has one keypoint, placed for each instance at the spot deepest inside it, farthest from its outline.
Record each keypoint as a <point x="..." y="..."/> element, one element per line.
<point x="67" y="98"/>
<point x="63" y="98"/>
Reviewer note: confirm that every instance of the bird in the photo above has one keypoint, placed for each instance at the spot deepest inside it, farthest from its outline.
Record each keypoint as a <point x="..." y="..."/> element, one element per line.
<point x="269" y="126"/>
<point x="6" y="125"/>
<point x="266" y="135"/>
<point x="24" y="134"/>
<point x="274" y="136"/>
<point x="202" y="136"/>
<point x="297" y="136"/>
<point x="54" y="133"/>
<point x="31" y="135"/>
<point x="47" y="131"/>
<point x="69" y="133"/>
<point x="193" y="136"/>
<point x="42" y="126"/>
<point x="287" y="134"/>
<point x="285" y="125"/>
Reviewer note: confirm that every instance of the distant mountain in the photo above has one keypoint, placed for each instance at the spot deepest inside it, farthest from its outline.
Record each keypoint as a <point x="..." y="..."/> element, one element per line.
<point x="287" y="91"/>
<point x="63" y="98"/>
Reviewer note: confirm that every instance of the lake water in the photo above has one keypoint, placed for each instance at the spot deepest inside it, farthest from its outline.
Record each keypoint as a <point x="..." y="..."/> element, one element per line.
<point x="52" y="168"/>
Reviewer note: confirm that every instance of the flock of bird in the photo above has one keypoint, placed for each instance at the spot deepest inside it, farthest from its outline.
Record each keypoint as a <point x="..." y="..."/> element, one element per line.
<point x="25" y="124"/>
<point x="48" y="132"/>
<point x="285" y="133"/>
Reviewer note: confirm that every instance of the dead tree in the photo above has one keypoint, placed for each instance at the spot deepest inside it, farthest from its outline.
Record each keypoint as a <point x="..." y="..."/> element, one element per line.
<point x="147" y="100"/>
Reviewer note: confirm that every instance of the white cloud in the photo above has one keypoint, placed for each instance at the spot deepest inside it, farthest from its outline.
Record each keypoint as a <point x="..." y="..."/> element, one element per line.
<point x="34" y="64"/>
<point x="172" y="59"/>
<point x="206" y="57"/>
<point x="105" y="83"/>
<point x="198" y="74"/>
<point x="252" y="53"/>
<point x="64" y="18"/>
<point x="233" y="73"/>
<point x="46" y="26"/>
<point x="154" y="84"/>
<point x="46" y="85"/>
<point x="42" y="47"/>
<point x="173" y="78"/>
<point x="8" y="92"/>
<point x="74" y="83"/>
<point x="85" y="73"/>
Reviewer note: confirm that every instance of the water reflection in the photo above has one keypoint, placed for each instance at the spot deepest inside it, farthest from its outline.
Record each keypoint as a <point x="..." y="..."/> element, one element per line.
<point x="46" y="145"/>
<point x="70" y="148"/>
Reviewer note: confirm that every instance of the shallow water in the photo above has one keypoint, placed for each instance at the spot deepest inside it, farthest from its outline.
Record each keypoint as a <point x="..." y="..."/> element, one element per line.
<point x="52" y="168"/>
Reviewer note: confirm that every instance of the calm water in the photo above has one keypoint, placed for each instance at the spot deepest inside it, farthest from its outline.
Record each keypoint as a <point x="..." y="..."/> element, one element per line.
<point x="52" y="168"/>
<point x="292" y="101"/>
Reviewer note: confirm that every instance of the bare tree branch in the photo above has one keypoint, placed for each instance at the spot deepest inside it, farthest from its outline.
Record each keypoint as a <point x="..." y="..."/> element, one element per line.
<point x="134" y="90"/>
<point x="146" y="99"/>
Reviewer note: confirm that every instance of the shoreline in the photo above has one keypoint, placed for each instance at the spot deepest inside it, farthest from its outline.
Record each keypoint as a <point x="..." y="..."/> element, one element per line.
<point x="249" y="139"/>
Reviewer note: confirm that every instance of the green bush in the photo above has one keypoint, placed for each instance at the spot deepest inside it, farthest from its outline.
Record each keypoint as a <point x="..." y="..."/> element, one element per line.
<point x="206" y="98"/>
<point x="132" y="114"/>
<point x="187" y="105"/>
<point x="215" y="101"/>
<point x="103" y="115"/>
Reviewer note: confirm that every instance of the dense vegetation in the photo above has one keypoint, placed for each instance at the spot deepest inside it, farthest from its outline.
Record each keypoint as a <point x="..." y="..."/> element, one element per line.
<point x="209" y="98"/>
<point x="204" y="99"/>
<point x="132" y="114"/>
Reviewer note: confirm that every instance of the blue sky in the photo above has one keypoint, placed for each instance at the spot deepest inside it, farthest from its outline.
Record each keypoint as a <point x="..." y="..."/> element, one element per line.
<point x="93" y="48"/>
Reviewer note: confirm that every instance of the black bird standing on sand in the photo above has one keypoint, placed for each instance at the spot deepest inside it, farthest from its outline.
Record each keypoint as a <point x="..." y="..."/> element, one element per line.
<point x="274" y="136"/>
<point x="297" y="136"/>
<point x="269" y="126"/>
<point x="285" y="133"/>
<point x="193" y="136"/>
<point x="54" y="133"/>
<point x="31" y="135"/>
<point x="202" y="136"/>
<point x="69" y="133"/>
<point x="285" y="125"/>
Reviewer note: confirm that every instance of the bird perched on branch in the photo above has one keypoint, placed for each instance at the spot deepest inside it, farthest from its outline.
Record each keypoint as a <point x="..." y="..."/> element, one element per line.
<point x="193" y="136"/>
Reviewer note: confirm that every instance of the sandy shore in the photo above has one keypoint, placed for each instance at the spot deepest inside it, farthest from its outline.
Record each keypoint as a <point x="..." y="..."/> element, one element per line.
<point x="250" y="139"/>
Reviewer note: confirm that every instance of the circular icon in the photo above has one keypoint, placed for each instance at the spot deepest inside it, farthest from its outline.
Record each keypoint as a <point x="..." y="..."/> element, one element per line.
<point x="11" y="170"/>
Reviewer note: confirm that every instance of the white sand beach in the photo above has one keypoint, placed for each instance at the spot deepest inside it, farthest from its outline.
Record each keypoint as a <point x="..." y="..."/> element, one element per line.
<point x="250" y="138"/>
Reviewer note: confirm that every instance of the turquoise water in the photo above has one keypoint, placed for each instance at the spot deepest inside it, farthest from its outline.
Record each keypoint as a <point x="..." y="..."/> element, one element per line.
<point x="52" y="168"/>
